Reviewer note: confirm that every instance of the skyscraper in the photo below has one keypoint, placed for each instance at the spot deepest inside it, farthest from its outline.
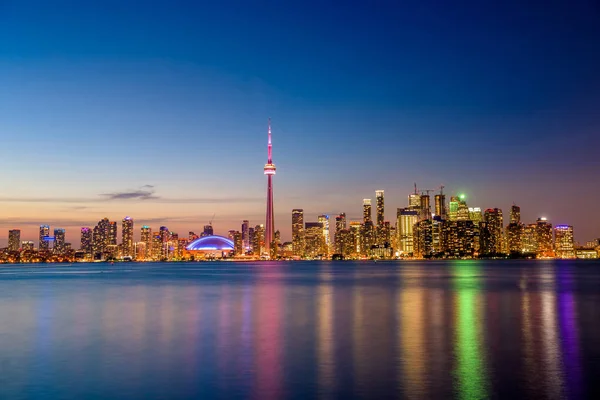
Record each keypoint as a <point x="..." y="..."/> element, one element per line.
<point x="314" y="239"/>
<point x="269" y="171"/>
<point x="563" y="241"/>
<point x="146" y="237"/>
<point x="59" y="241"/>
<point x="86" y="240"/>
<point x="440" y="205"/>
<point x="494" y="229"/>
<point x="44" y="233"/>
<point x="245" y="235"/>
<point x="367" y="211"/>
<point x="165" y="236"/>
<point x="258" y="242"/>
<point x="112" y="234"/>
<point x="380" y="208"/>
<point x="515" y="214"/>
<point x="208" y="230"/>
<point x="453" y="208"/>
<point x="14" y="240"/>
<point x="543" y="237"/>
<point x="425" y="207"/>
<point x="406" y="218"/>
<point x="127" y="237"/>
<point x="298" y="232"/>
<point x="324" y="220"/>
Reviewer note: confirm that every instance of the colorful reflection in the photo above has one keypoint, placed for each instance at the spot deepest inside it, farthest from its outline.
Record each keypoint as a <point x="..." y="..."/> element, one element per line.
<point x="325" y="336"/>
<point x="470" y="370"/>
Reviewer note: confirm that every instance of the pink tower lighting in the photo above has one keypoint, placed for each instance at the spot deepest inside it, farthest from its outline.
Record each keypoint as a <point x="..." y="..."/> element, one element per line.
<point x="269" y="172"/>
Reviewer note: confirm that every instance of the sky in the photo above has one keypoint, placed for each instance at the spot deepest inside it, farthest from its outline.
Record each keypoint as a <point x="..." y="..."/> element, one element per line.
<point x="158" y="110"/>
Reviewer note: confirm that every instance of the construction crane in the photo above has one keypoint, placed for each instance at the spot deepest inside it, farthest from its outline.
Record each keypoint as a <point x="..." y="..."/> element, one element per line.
<point x="423" y="191"/>
<point x="211" y="219"/>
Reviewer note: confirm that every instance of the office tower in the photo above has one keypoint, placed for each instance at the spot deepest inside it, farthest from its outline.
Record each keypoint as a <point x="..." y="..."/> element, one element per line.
<point x="314" y="240"/>
<point x="59" y="241"/>
<point x="258" y="244"/>
<point x="406" y="218"/>
<point x="367" y="239"/>
<point x="414" y="200"/>
<point x="440" y="205"/>
<point x="246" y="235"/>
<point x="146" y="237"/>
<point x="384" y="233"/>
<point x="515" y="214"/>
<point x="437" y="234"/>
<point x="340" y="226"/>
<point x="27" y="245"/>
<point x="355" y="234"/>
<point x="423" y="239"/>
<point x="493" y="231"/>
<point x="141" y="249"/>
<point x="127" y="237"/>
<point x="460" y="239"/>
<point x="529" y="240"/>
<point x="165" y="235"/>
<point x="380" y="216"/>
<point x="44" y="233"/>
<point x="157" y="247"/>
<point x="112" y="234"/>
<point x="462" y="211"/>
<point x="298" y="232"/>
<point x="275" y="245"/>
<point x="475" y="215"/>
<point x="340" y="222"/>
<point x="208" y="230"/>
<point x="514" y="237"/>
<point x="367" y="211"/>
<point x="453" y="208"/>
<point x="238" y="242"/>
<point x="86" y="240"/>
<point x="14" y="240"/>
<point x="231" y="234"/>
<point x="563" y="241"/>
<point x="324" y="220"/>
<point x="543" y="237"/>
<point x="424" y="207"/>
<point x="100" y="237"/>
<point x="269" y="171"/>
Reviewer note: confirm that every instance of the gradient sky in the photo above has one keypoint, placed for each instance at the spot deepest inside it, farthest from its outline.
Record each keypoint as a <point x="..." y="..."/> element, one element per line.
<point x="159" y="109"/>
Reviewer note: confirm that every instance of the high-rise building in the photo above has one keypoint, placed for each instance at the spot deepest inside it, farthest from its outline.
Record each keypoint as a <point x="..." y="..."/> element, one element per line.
<point x="340" y="222"/>
<point x="324" y="220"/>
<point x="424" y="207"/>
<point x="192" y="236"/>
<point x="141" y="251"/>
<point x="258" y="242"/>
<point x="27" y="245"/>
<point x="515" y="214"/>
<point x="459" y="238"/>
<point x="514" y="236"/>
<point x="298" y="232"/>
<point x="157" y="247"/>
<point x="146" y="237"/>
<point x="406" y="218"/>
<point x="423" y="238"/>
<point x="475" y="215"/>
<point x="165" y="236"/>
<point x="86" y="240"/>
<point x="43" y="244"/>
<point x="59" y="241"/>
<point x="245" y="235"/>
<point x="543" y="236"/>
<point x="462" y="212"/>
<point x="112" y="234"/>
<point x="380" y="208"/>
<point x="440" y="205"/>
<point x="367" y="211"/>
<point x="453" y="208"/>
<point x="529" y="239"/>
<point x="564" y="242"/>
<point x="14" y="240"/>
<point x="314" y="240"/>
<point x="414" y="200"/>
<point x="208" y="230"/>
<point x="492" y="236"/>
<point x="269" y="171"/>
<point x="127" y="237"/>
<point x="340" y="236"/>
<point x="355" y="233"/>
<point x="238" y="243"/>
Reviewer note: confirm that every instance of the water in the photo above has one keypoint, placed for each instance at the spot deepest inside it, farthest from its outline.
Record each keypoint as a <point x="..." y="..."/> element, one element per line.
<point x="456" y="329"/>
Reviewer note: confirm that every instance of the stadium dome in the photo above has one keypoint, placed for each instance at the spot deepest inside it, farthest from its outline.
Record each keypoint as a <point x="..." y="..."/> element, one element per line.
<point x="211" y="243"/>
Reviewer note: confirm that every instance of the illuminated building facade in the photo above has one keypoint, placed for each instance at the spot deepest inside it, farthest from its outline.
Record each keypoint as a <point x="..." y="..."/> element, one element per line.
<point x="86" y="240"/>
<point x="475" y="215"/>
<point x="112" y="234"/>
<point x="269" y="171"/>
<point x="298" y="232"/>
<point x="440" y="205"/>
<point x="314" y="240"/>
<point x="493" y="233"/>
<point x="367" y="211"/>
<point x="59" y="241"/>
<point x="355" y="238"/>
<point x="423" y="239"/>
<point x="529" y="239"/>
<point x="515" y="214"/>
<point x="27" y="245"/>
<point x="14" y="240"/>
<point x="459" y="238"/>
<point x="258" y="242"/>
<point x="543" y="236"/>
<point x="453" y="208"/>
<point x="212" y="246"/>
<point x="406" y="218"/>
<point x="246" y="235"/>
<point x="43" y="244"/>
<point x="127" y="237"/>
<point x="424" y="207"/>
<point x="165" y="236"/>
<point x="564" y="243"/>
<point x="324" y="220"/>
<point x="146" y="238"/>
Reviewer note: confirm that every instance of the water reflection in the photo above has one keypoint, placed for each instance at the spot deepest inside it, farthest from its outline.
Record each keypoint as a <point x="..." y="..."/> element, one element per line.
<point x="325" y="336"/>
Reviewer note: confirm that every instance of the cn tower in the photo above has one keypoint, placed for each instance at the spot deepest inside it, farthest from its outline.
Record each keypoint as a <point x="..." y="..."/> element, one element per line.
<point x="269" y="172"/>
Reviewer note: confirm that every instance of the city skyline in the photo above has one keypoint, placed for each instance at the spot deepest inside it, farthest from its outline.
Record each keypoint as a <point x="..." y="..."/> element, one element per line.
<point x="164" y="115"/>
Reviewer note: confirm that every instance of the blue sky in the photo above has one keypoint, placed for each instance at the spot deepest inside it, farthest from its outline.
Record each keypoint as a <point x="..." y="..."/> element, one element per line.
<point x="497" y="99"/>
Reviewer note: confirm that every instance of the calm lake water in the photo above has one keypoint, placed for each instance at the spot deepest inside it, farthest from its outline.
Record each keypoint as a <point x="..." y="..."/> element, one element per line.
<point x="301" y="330"/>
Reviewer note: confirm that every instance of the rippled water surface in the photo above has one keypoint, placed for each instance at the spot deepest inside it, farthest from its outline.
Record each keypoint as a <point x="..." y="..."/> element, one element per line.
<point x="462" y="329"/>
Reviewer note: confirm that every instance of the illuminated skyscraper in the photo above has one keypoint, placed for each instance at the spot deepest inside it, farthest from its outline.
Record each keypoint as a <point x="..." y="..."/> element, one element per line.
<point x="515" y="214"/>
<point x="245" y="235"/>
<point x="27" y="245"/>
<point x="529" y="240"/>
<point x="355" y="233"/>
<point x="59" y="241"/>
<point x="424" y="207"/>
<point x="146" y="237"/>
<point x="112" y="234"/>
<point x="406" y="218"/>
<point x="563" y="241"/>
<point x="269" y="171"/>
<point x="238" y="243"/>
<point x="208" y="230"/>
<point x="86" y="240"/>
<point x="414" y="200"/>
<point x="324" y="220"/>
<point x="475" y="215"/>
<point x="165" y="236"/>
<point x="453" y="208"/>
<point x="440" y="205"/>
<point x="493" y="233"/>
<point x="340" y="237"/>
<point x="459" y="238"/>
<point x="43" y="244"/>
<point x="380" y="208"/>
<point x="298" y="232"/>
<point x="367" y="211"/>
<point x="314" y="240"/>
<point x="127" y="237"/>
<point x="258" y="242"/>
<point x="423" y="238"/>
<point x="340" y="222"/>
<point x="14" y="240"/>
<point x="543" y="237"/>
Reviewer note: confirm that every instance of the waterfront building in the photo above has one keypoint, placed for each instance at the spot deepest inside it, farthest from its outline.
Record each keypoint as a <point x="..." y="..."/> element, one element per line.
<point x="165" y="236"/>
<point x="529" y="239"/>
<point x="460" y="239"/>
<point x="424" y="207"/>
<point x="355" y="238"/>
<point x="43" y="244"/>
<point x="324" y="220"/>
<point x="246" y="235"/>
<point x="475" y="215"/>
<point x="440" y="205"/>
<point x="493" y="233"/>
<point x="14" y="240"/>
<point x="515" y="214"/>
<point x="453" y="208"/>
<point x="564" y="243"/>
<point x="258" y="242"/>
<point x="423" y="239"/>
<point x="298" y="232"/>
<point x="514" y="236"/>
<point x="367" y="211"/>
<point x="406" y="218"/>
<point x="269" y="171"/>
<point x="543" y="236"/>
<point x="59" y="241"/>
<point x="86" y="241"/>
<point x="27" y="245"/>
<point x="212" y="246"/>
<point x="314" y="240"/>
<point x="146" y="237"/>
<point x="127" y="237"/>
<point x="141" y="251"/>
<point x="238" y="243"/>
<point x="112" y="234"/>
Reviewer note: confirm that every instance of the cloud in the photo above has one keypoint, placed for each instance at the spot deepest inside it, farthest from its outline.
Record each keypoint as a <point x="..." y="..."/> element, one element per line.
<point x="146" y="192"/>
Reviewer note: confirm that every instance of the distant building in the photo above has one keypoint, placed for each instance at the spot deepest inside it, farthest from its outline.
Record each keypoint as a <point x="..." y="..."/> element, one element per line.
<point x="529" y="240"/>
<point x="543" y="236"/>
<point x="380" y="215"/>
<point x="146" y="238"/>
<point x="298" y="232"/>
<point x="59" y="241"/>
<point x="491" y="233"/>
<point x="86" y="240"/>
<point x="43" y="244"/>
<point x="324" y="220"/>
<point x="14" y="240"/>
<point x="367" y="211"/>
<point x="127" y="237"/>
<point x="27" y="245"/>
<point x="314" y="240"/>
<point x="246" y="235"/>
<point x="440" y="205"/>
<point x="406" y="218"/>
<point x="564" y="243"/>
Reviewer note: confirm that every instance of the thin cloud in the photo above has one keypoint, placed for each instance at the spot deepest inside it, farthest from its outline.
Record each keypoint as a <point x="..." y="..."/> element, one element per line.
<point x="146" y="192"/>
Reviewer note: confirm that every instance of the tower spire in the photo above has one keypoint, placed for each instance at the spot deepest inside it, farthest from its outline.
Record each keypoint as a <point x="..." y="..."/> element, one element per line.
<point x="269" y="170"/>
<point x="270" y="146"/>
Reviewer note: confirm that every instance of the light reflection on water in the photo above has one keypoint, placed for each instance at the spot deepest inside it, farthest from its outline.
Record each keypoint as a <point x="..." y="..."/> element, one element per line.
<point x="462" y="329"/>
